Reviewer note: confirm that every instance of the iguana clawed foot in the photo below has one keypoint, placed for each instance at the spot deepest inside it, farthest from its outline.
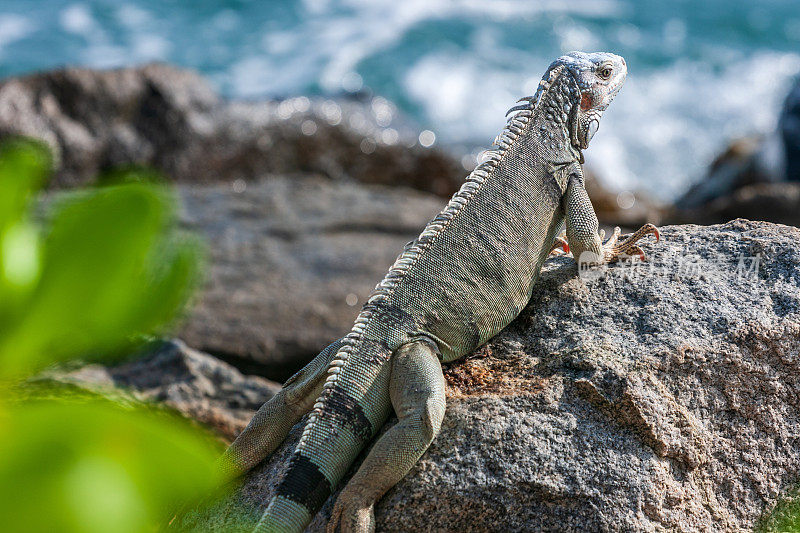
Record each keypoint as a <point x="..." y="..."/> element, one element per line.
<point x="617" y="246"/>
<point x="560" y="246"/>
<point x="351" y="515"/>
<point x="620" y="246"/>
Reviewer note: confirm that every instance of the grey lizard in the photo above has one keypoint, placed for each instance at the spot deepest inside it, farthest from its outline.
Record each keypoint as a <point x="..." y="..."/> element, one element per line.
<point x="468" y="275"/>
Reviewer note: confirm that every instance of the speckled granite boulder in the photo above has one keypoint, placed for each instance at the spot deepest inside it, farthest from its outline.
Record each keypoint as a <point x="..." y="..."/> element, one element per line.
<point x="197" y="385"/>
<point x="659" y="398"/>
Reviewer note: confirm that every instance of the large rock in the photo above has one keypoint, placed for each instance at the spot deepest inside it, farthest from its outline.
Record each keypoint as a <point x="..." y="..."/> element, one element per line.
<point x="95" y="120"/>
<point x="292" y="262"/>
<point x="744" y="163"/>
<point x="193" y="383"/>
<point x="745" y="181"/>
<point x="171" y="119"/>
<point x="664" y="397"/>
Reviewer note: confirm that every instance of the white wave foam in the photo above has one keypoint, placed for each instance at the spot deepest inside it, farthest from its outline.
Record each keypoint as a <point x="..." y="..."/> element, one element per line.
<point x="13" y="28"/>
<point x="78" y="19"/>
<point x="336" y="36"/>
<point x="132" y="41"/>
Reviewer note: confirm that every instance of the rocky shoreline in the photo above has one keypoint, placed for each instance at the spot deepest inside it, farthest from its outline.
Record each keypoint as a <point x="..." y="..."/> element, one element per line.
<point x="662" y="398"/>
<point x="641" y="400"/>
<point x="171" y="120"/>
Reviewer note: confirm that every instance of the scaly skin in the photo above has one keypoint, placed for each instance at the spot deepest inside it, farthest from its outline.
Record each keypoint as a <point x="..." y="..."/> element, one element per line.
<point x="469" y="274"/>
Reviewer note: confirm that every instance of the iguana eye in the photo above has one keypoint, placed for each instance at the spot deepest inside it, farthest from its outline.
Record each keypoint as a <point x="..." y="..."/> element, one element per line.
<point x="605" y="73"/>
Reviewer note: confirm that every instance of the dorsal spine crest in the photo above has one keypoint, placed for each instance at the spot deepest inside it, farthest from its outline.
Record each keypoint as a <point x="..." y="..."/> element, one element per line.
<point x="515" y="125"/>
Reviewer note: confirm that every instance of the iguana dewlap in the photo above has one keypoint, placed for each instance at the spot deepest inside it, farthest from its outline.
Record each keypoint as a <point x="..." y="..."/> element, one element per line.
<point x="469" y="273"/>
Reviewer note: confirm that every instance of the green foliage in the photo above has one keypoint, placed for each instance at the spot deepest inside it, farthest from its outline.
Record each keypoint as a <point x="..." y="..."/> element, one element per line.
<point x="23" y="168"/>
<point x="96" y="467"/>
<point x="103" y="270"/>
<point x="785" y="516"/>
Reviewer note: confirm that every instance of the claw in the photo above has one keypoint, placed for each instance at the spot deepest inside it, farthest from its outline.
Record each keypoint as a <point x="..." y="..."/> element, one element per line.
<point x="347" y="519"/>
<point x="612" y="241"/>
<point x="336" y="517"/>
<point x="635" y="250"/>
<point x="562" y="243"/>
<point x="560" y="247"/>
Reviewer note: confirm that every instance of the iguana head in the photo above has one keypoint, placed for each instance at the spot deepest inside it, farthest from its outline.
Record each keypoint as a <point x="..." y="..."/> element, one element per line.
<point x="581" y="86"/>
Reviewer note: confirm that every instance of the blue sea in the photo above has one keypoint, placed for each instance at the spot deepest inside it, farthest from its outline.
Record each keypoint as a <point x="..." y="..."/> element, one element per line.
<point x="700" y="72"/>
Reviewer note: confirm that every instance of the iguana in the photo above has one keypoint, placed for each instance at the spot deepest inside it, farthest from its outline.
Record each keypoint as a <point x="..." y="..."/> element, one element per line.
<point x="469" y="273"/>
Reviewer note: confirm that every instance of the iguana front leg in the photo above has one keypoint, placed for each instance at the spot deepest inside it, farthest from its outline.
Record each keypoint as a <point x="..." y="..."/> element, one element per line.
<point x="583" y="236"/>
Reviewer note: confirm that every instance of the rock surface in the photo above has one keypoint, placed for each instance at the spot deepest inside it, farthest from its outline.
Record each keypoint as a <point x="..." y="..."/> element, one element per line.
<point x="172" y="120"/>
<point x="292" y="261"/>
<point x="663" y="397"/>
<point x="195" y="384"/>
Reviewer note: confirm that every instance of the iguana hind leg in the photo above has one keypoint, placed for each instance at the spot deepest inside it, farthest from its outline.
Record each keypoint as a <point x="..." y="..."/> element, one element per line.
<point x="417" y="391"/>
<point x="275" y="418"/>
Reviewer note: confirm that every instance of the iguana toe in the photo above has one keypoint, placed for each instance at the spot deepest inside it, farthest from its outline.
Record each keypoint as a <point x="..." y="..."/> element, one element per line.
<point x="612" y="241"/>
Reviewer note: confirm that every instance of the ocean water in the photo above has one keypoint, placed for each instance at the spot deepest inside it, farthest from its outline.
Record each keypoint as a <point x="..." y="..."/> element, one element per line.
<point x="700" y="72"/>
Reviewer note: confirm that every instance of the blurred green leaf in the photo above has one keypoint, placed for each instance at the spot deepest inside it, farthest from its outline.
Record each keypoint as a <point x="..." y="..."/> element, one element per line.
<point x="106" y="270"/>
<point x="109" y="270"/>
<point x="20" y="265"/>
<point x="785" y="516"/>
<point x="97" y="467"/>
<point x="24" y="165"/>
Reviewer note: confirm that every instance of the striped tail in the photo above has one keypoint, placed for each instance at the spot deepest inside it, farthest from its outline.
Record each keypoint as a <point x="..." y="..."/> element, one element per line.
<point x="354" y="404"/>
